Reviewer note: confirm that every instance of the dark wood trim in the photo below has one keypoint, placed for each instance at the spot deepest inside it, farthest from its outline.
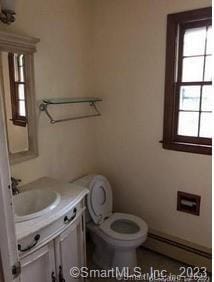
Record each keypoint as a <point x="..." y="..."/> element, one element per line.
<point x="188" y="147"/>
<point x="195" y="83"/>
<point x="173" y="75"/>
<point x="197" y="23"/>
<point x="192" y="15"/>
<point x="194" y="140"/>
<point x="169" y="78"/>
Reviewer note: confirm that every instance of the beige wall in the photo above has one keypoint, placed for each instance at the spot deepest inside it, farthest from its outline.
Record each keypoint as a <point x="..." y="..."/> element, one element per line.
<point x="66" y="150"/>
<point x="129" y="61"/>
<point x="117" y="49"/>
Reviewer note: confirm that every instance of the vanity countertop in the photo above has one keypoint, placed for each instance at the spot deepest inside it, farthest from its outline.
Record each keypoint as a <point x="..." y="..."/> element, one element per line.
<point x="71" y="194"/>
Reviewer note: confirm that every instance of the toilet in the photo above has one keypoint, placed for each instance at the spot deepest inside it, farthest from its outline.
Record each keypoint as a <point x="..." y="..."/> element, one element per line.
<point x="115" y="235"/>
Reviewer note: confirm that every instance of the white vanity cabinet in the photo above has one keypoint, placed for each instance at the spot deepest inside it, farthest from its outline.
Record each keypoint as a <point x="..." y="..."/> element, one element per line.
<point x="70" y="250"/>
<point x="39" y="265"/>
<point x="60" y="247"/>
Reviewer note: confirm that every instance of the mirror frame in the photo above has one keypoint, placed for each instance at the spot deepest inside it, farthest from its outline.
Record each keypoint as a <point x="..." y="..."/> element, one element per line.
<point x="26" y="45"/>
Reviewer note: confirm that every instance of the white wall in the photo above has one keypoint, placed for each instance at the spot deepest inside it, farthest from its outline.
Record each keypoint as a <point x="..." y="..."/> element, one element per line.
<point x="66" y="150"/>
<point x="129" y="68"/>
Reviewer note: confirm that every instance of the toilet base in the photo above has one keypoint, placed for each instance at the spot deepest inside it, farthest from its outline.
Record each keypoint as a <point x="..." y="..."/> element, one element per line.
<point x="107" y="256"/>
<point x="127" y="258"/>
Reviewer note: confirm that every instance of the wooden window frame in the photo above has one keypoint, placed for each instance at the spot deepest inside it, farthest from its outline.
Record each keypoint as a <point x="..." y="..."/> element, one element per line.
<point x="171" y="140"/>
<point x="17" y="119"/>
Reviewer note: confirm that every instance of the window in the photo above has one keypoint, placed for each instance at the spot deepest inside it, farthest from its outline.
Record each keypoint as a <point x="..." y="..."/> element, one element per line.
<point x="188" y="82"/>
<point x="16" y="64"/>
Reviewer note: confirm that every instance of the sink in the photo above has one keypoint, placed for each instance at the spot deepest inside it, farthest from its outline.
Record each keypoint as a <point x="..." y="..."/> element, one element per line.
<point x="34" y="203"/>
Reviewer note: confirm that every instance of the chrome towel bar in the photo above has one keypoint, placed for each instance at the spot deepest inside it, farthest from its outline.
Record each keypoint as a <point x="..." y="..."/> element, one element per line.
<point x="59" y="101"/>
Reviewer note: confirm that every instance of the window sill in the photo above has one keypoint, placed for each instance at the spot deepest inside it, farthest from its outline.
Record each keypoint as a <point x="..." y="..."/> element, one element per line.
<point x="19" y="122"/>
<point x="188" y="147"/>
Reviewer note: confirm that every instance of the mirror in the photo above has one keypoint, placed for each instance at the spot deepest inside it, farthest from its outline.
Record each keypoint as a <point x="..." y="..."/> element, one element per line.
<point x="17" y="85"/>
<point x="14" y="86"/>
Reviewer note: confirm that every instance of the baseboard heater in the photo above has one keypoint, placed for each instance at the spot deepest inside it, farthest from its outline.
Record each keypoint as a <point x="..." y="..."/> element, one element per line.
<point x="180" y="250"/>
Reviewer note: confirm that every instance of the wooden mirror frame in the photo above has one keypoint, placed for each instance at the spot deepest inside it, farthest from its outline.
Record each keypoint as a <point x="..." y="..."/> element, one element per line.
<point x="26" y="45"/>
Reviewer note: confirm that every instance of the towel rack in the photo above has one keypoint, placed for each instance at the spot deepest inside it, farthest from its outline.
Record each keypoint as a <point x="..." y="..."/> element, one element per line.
<point x="62" y="101"/>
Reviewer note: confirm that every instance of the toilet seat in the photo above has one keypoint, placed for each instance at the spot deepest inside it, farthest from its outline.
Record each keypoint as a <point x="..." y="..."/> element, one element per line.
<point x="99" y="199"/>
<point x="107" y="225"/>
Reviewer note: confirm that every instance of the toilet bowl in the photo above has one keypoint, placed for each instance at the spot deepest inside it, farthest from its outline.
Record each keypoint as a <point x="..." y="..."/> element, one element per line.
<point x="115" y="235"/>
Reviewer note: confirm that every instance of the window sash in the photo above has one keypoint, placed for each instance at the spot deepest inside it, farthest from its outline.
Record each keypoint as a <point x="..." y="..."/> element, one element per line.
<point x="183" y="28"/>
<point x="174" y="52"/>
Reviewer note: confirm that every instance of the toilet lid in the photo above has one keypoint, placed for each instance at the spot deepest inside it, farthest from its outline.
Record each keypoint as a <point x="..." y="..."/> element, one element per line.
<point x="99" y="199"/>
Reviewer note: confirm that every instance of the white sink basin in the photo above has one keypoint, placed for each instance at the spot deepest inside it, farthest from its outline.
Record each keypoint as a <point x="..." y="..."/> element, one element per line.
<point x="34" y="203"/>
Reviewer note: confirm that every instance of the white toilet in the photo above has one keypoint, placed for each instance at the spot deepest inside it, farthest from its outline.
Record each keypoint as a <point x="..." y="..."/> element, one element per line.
<point x="115" y="235"/>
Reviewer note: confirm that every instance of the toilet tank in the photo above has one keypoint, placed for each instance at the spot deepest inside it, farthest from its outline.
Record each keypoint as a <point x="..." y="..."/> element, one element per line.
<point x="84" y="182"/>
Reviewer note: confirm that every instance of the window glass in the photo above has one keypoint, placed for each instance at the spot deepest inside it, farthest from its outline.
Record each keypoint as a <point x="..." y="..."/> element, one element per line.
<point x="207" y="98"/>
<point x="192" y="69"/>
<point x="209" y="41"/>
<point x="194" y="41"/>
<point x="188" y="123"/>
<point x="190" y="98"/>
<point x="16" y="71"/>
<point x="21" y="92"/>
<point x="208" y="69"/>
<point x="196" y="100"/>
<point x="21" y="73"/>
<point x="206" y="125"/>
<point x="21" y="60"/>
<point x="22" y="111"/>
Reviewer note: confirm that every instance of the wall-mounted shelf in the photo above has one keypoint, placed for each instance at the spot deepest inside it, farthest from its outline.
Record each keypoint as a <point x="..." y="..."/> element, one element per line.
<point x="62" y="101"/>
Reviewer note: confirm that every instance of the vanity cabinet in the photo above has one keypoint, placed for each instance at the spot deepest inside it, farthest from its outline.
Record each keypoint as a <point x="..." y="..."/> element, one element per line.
<point x="60" y="247"/>
<point x="39" y="266"/>
<point x="70" y="250"/>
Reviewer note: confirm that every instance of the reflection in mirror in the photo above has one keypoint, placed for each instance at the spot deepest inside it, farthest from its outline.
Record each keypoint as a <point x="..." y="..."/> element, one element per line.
<point x="14" y="83"/>
<point x="18" y="92"/>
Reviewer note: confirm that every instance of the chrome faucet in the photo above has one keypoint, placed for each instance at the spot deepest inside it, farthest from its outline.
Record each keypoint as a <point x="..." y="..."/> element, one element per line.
<point x="14" y="185"/>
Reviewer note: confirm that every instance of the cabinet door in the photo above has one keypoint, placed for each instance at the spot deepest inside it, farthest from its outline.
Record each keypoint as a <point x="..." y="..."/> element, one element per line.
<point x="70" y="249"/>
<point x="39" y="266"/>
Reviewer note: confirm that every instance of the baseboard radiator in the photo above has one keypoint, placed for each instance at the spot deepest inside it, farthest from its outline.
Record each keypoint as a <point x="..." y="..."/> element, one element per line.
<point x="181" y="250"/>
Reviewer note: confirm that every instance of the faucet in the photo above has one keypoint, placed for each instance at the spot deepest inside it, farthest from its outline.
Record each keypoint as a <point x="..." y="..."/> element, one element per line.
<point x="14" y="185"/>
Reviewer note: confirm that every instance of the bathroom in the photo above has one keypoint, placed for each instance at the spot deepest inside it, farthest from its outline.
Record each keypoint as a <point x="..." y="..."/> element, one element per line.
<point x="114" y="50"/>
